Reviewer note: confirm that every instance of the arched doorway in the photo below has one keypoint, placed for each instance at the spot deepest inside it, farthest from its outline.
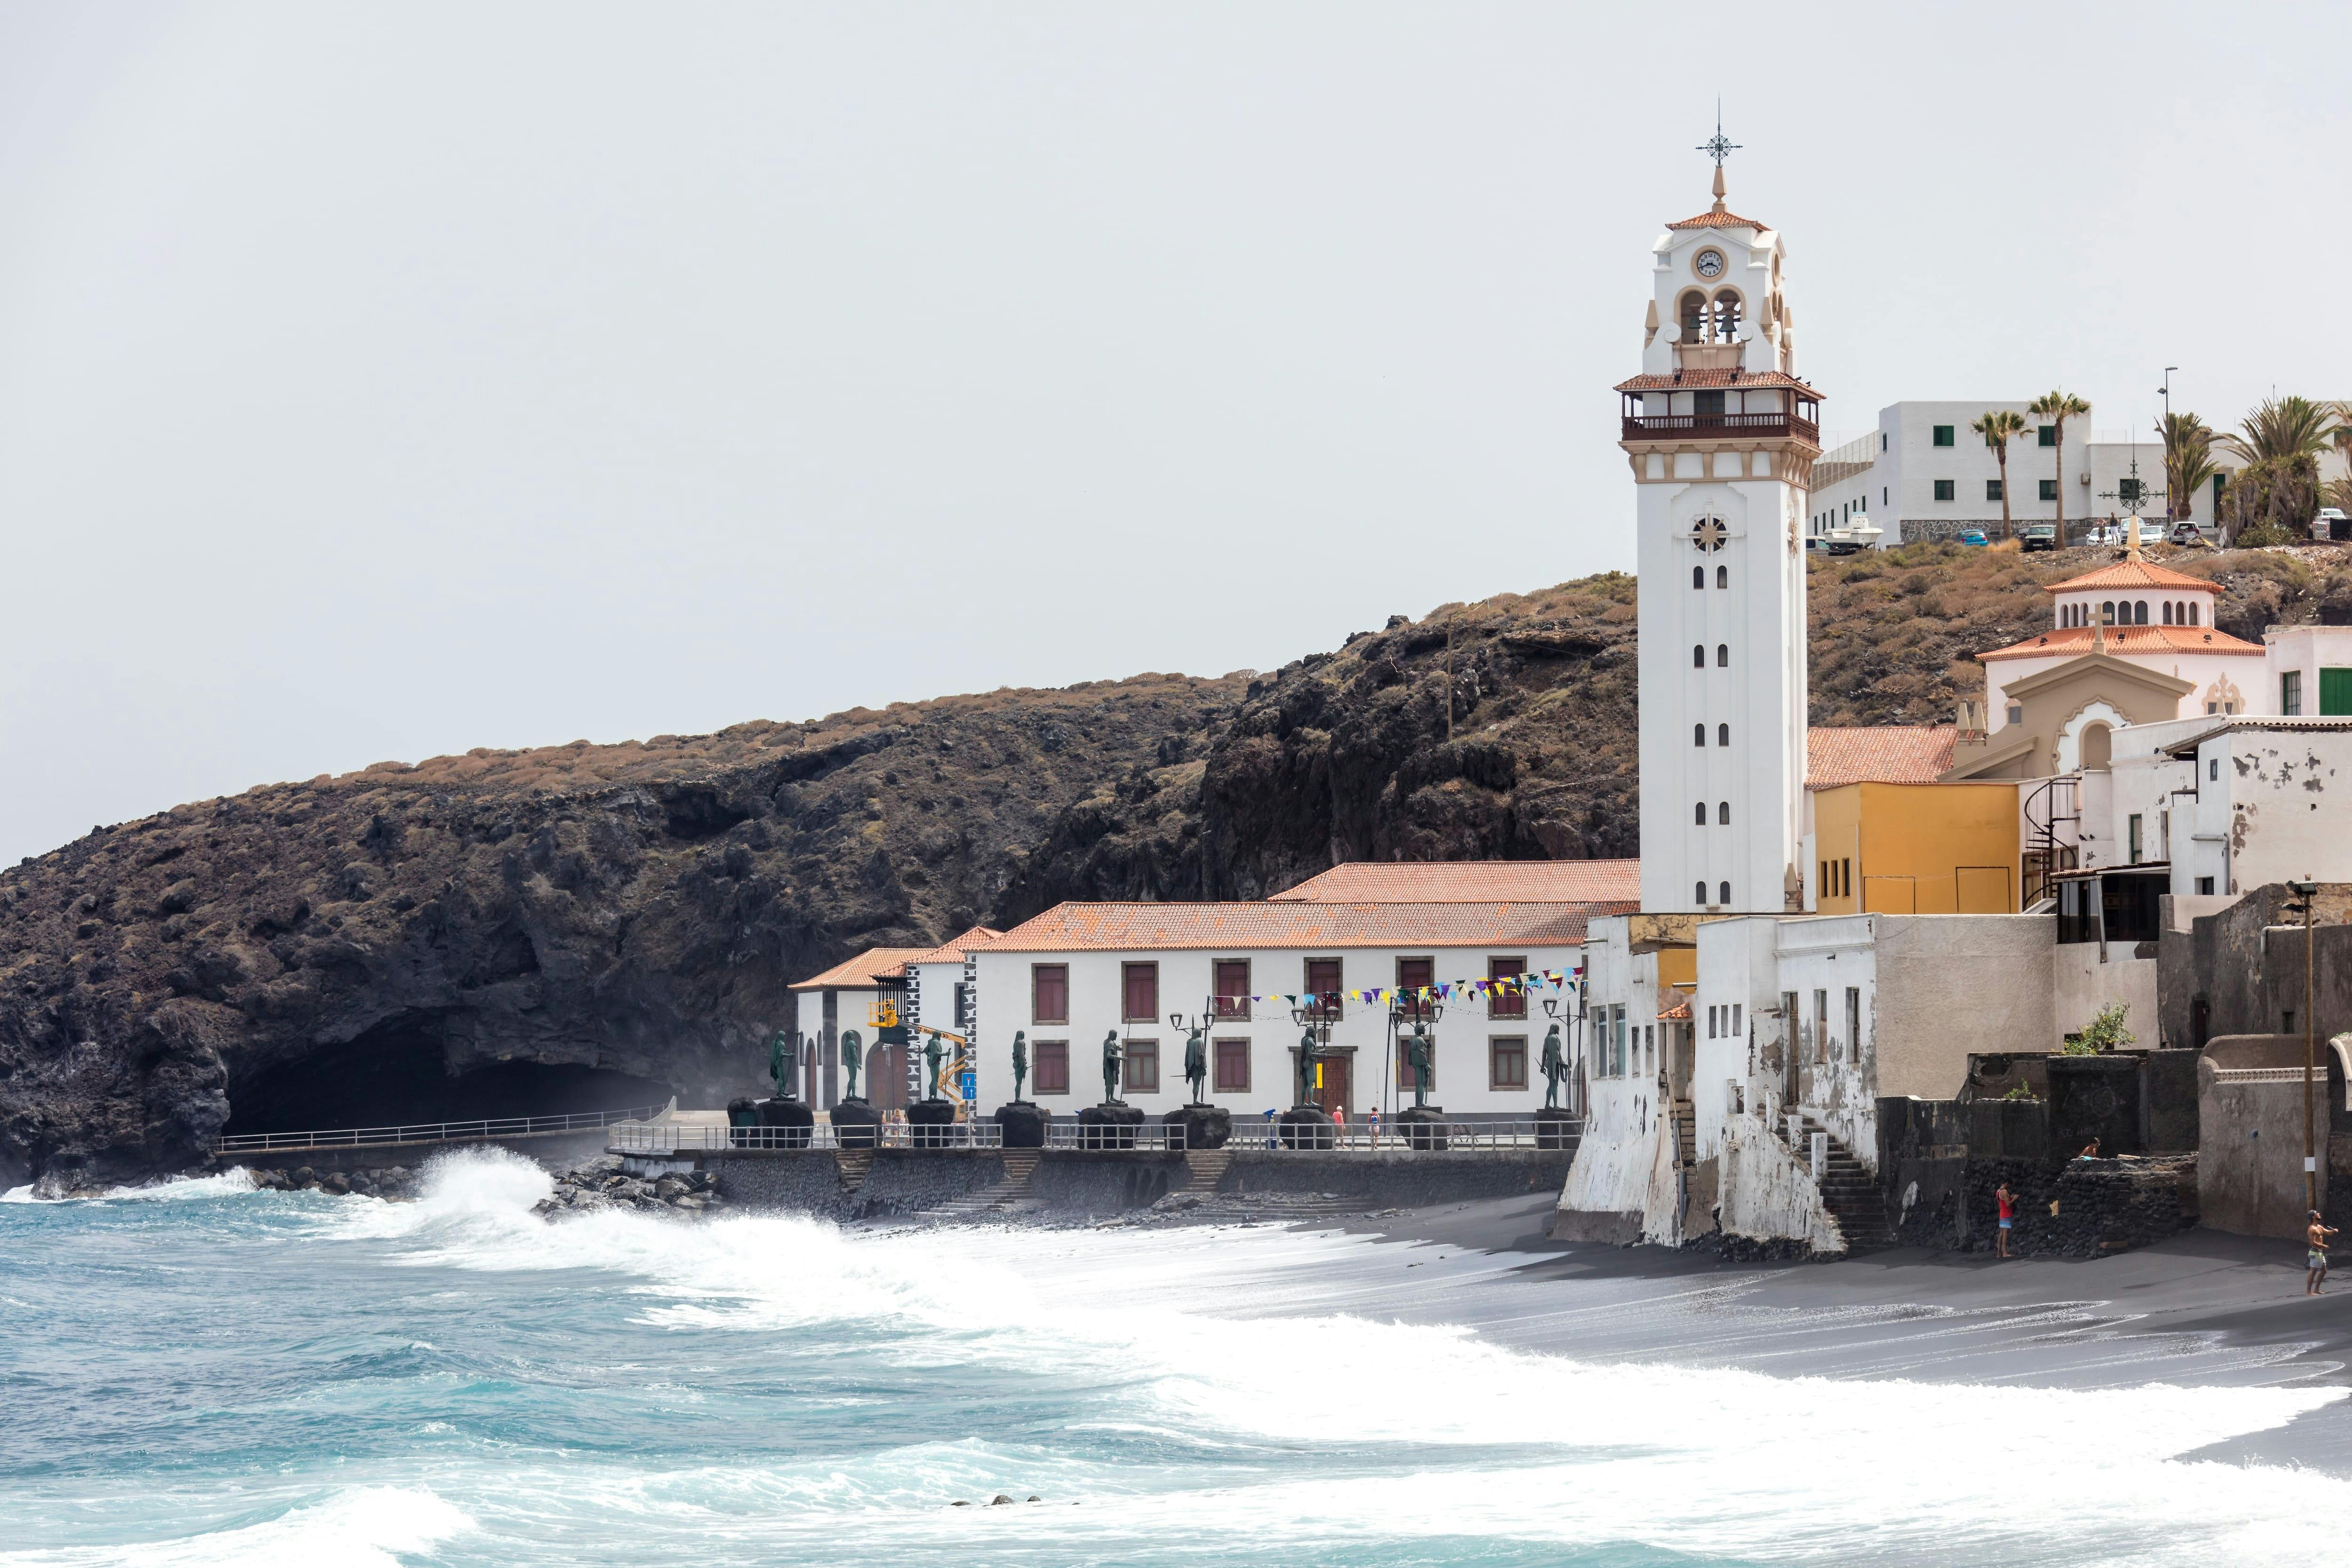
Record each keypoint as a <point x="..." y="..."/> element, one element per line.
<point x="2098" y="747"/>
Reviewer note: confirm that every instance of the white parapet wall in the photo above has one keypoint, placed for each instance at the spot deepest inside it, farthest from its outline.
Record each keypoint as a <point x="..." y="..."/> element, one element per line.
<point x="1767" y="1193"/>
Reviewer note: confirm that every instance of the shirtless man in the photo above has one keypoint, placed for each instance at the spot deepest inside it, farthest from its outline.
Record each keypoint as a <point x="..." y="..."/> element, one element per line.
<point x="2315" y="1235"/>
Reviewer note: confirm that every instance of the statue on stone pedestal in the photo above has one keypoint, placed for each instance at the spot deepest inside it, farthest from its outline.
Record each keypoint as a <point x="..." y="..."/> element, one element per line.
<point x="1554" y="1067"/>
<point x="1196" y="1066"/>
<point x="783" y="1059"/>
<point x="1307" y="1057"/>
<point x="853" y="1053"/>
<point x="1421" y="1058"/>
<point x="933" y="1054"/>
<point x="1020" y="1064"/>
<point x="1113" y="1058"/>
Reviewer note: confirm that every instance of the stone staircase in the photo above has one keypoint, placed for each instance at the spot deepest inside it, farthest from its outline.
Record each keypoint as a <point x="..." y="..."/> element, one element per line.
<point x="1685" y="1134"/>
<point x="855" y="1165"/>
<point x="1012" y="1193"/>
<point x="1849" y="1192"/>
<point x="1204" y="1168"/>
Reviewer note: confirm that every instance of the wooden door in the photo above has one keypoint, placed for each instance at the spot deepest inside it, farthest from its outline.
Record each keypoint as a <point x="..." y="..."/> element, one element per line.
<point x="1338" y="1073"/>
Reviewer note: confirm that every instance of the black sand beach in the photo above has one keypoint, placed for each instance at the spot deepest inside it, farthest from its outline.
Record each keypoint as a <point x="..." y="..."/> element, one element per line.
<point x="2202" y="1308"/>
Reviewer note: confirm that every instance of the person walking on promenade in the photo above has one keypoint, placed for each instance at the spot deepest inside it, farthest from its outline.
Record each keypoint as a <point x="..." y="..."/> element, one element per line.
<point x="1372" y="1117"/>
<point x="2007" y="1202"/>
<point x="2315" y="1236"/>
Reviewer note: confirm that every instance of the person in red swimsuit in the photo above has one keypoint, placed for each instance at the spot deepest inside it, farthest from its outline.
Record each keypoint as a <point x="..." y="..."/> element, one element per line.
<point x="2007" y="1202"/>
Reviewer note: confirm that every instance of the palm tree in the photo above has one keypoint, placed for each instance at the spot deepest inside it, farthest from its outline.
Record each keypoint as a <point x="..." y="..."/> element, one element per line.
<point x="2187" y="461"/>
<point x="1997" y="426"/>
<point x="2280" y="428"/>
<point x="2279" y="440"/>
<point x="2058" y="407"/>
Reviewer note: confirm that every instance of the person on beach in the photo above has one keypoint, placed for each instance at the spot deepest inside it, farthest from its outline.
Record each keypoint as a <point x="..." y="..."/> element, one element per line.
<point x="2315" y="1255"/>
<point x="2007" y="1202"/>
<point x="2090" y="1151"/>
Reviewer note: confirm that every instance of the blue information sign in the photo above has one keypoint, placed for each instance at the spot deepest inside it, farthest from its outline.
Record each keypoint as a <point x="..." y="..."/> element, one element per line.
<point x="970" y="1083"/>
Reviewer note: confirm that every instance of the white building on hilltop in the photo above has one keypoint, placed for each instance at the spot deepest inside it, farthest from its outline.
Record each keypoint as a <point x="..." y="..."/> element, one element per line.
<point x="1721" y="435"/>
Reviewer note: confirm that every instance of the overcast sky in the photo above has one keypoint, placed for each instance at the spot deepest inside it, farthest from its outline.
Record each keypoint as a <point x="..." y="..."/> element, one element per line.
<point x="382" y="381"/>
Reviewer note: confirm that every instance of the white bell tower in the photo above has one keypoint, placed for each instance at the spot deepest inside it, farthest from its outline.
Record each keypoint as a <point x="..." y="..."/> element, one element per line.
<point x="1722" y="437"/>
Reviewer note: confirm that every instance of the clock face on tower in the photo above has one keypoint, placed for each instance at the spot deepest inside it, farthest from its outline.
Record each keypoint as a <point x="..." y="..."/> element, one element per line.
<point x="1709" y="264"/>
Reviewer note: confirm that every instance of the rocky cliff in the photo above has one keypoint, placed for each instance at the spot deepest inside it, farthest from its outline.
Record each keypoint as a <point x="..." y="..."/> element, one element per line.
<point x="574" y="927"/>
<point x="588" y="927"/>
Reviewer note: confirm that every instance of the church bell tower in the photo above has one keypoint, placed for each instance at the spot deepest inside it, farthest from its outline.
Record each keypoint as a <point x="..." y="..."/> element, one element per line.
<point x="1722" y="436"/>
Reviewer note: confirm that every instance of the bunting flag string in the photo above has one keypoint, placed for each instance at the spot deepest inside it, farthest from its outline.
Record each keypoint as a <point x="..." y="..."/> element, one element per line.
<point x="1524" y="984"/>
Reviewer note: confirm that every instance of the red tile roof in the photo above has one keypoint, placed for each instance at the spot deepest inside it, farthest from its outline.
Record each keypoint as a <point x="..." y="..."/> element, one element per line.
<point x="1668" y="381"/>
<point x="2131" y="574"/>
<point x="952" y="952"/>
<point x="1237" y="927"/>
<point x="858" y="974"/>
<point x="1719" y="219"/>
<point x="2125" y="641"/>
<point x="1876" y="754"/>
<point x="1471" y="882"/>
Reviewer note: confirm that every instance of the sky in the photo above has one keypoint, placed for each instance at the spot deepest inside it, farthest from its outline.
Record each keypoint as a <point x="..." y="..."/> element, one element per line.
<point x="378" y="382"/>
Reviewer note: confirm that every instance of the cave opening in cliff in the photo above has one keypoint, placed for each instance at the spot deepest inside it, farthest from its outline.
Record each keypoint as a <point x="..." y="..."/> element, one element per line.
<point x="395" y="1075"/>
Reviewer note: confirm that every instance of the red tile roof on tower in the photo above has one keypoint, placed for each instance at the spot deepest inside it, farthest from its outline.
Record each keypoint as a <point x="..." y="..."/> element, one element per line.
<point x="1237" y="927"/>
<point x="2124" y="641"/>
<point x="1471" y="882"/>
<point x="2131" y="574"/>
<point x="954" y="951"/>
<point x="1719" y="219"/>
<point x="1876" y="754"/>
<point x="1668" y="381"/>
<point x="860" y="972"/>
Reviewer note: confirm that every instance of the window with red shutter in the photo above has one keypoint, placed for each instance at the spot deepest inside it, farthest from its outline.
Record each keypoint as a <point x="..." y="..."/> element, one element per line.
<point x="1141" y="990"/>
<point x="1233" y="984"/>
<point x="1049" y="993"/>
<point x="1502" y="1006"/>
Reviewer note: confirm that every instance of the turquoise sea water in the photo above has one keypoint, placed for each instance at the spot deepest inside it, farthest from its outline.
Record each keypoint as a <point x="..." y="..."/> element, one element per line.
<point x="202" y="1373"/>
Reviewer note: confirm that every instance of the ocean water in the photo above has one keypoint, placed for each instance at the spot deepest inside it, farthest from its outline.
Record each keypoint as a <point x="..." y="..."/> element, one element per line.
<point x="202" y="1373"/>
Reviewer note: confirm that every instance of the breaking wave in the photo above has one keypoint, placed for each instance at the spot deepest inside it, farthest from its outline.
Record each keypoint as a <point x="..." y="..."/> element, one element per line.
<point x="620" y="1387"/>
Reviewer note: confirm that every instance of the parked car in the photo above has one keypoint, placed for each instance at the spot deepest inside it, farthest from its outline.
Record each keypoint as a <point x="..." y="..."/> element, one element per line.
<point x="2037" y="536"/>
<point x="2331" y="523"/>
<point x="2184" y="532"/>
<point x="1973" y="536"/>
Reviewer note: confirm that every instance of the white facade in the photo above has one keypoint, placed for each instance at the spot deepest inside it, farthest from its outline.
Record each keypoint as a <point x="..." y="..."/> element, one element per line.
<point x="1720" y="471"/>
<point x="1471" y="1042"/>
<point x="1924" y="473"/>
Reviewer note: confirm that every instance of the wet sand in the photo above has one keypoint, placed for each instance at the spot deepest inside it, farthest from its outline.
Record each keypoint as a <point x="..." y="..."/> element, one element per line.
<point x="2202" y="1308"/>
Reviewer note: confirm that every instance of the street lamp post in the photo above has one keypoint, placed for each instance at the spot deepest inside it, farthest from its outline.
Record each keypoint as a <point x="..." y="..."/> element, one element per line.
<point x="2308" y="891"/>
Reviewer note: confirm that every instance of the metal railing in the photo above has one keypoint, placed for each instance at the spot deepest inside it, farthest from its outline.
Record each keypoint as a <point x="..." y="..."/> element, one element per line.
<point x="1503" y="1133"/>
<point x="660" y="1138"/>
<point x="687" y="1138"/>
<point x="1162" y="1136"/>
<point x="432" y="1132"/>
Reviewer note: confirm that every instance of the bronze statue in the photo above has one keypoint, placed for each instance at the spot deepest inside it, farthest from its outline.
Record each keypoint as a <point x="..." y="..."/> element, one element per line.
<point x="933" y="1053"/>
<point x="1020" y="1064"/>
<point x="1421" y="1058"/>
<point x="1554" y="1067"/>
<point x="1113" y="1059"/>
<point x="853" y="1052"/>
<point x="1196" y="1066"/>
<point x="784" y="1058"/>
<point x="1307" y="1057"/>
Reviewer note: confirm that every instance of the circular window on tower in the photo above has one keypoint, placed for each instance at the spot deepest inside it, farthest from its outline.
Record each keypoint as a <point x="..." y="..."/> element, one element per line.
<point x="1709" y="263"/>
<point x="1708" y="534"/>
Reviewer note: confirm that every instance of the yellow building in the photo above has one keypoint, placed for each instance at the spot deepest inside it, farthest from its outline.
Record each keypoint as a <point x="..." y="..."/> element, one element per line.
<point x="1917" y="849"/>
<point x="1890" y="839"/>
